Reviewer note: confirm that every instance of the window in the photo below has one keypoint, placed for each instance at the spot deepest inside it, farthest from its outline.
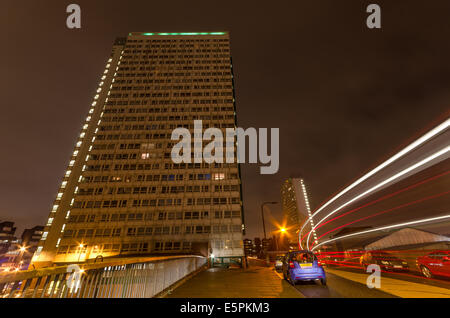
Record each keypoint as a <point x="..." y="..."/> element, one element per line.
<point x="218" y="176"/>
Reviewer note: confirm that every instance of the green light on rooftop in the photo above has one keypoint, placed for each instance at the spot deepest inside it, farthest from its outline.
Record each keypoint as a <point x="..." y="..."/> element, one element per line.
<point x="185" y="33"/>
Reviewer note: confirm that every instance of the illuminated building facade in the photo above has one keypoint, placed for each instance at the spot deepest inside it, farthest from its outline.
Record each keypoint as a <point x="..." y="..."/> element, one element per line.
<point x="122" y="194"/>
<point x="295" y="204"/>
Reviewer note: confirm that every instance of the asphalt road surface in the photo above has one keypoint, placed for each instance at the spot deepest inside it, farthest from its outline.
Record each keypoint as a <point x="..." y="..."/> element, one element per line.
<point x="337" y="287"/>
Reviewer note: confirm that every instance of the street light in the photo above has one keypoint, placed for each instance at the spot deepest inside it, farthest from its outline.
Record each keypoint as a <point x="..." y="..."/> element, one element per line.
<point x="22" y="250"/>
<point x="262" y="215"/>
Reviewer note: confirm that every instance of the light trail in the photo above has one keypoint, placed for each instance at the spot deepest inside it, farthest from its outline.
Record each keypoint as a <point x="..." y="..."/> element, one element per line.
<point x="390" y="195"/>
<point x="387" y="210"/>
<point x="432" y="133"/>
<point x="383" y="228"/>
<point x="379" y="185"/>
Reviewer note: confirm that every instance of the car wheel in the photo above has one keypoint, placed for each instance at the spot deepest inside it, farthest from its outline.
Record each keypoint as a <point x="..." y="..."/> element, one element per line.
<point x="426" y="272"/>
<point x="290" y="280"/>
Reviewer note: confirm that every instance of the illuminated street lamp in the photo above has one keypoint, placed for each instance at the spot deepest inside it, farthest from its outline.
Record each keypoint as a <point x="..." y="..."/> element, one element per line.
<point x="22" y="250"/>
<point x="282" y="231"/>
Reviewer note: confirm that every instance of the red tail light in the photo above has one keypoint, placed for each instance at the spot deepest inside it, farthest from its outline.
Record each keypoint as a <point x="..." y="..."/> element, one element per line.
<point x="291" y="264"/>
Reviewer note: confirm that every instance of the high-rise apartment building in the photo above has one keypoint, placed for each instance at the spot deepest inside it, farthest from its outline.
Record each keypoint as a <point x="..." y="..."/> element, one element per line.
<point x="122" y="194"/>
<point x="295" y="204"/>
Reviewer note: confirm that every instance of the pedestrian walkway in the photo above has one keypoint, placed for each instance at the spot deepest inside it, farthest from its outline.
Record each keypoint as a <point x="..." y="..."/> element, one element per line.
<point x="397" y="287"/>
<point x="254" y="282"/>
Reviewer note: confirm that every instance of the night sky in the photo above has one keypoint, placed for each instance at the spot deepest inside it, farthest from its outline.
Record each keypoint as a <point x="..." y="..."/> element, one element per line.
<point x="345" y="97"/>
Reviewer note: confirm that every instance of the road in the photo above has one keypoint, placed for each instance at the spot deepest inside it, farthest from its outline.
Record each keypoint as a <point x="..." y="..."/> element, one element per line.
<point x="265" y="282"/>
<point x="344" y="283"/>
<point x="338" y="287"/>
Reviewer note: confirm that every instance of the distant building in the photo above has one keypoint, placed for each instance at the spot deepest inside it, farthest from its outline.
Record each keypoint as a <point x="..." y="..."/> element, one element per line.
<point x="266" y="245"/>
<point x="248" y="247"/>
<point x="10" y="259"/>
<point x="15" y="257"/>
<point x="30" y="240"/>
<point x="7" y="231"/>
<point x="296" y="209"/>
<point x="257" y="246"/>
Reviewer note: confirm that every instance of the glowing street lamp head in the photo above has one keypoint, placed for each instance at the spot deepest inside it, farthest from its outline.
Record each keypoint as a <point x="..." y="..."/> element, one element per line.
<point x="81" y="245"/>
<point x="283" y="230"/>
<point x="23" y="249"/>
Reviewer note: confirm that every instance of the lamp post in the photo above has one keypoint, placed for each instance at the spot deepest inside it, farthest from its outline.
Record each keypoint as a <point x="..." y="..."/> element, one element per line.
<point x="262" y="215"/>
<point x="22" y="251"/>
<point x="264" y="226"/>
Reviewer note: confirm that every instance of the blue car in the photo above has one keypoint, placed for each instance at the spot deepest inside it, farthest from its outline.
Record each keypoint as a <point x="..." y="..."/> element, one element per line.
<point x="302" y="266"/>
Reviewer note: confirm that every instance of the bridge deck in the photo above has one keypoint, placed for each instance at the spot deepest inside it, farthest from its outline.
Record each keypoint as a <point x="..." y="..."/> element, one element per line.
<point x="235" y="283"/>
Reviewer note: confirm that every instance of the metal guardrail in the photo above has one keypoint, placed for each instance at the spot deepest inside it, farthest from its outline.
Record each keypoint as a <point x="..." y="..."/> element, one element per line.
<point x="122" y="278"/>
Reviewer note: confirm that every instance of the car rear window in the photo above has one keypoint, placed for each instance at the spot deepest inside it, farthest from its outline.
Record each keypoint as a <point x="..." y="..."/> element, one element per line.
<point x="303" y="257"/>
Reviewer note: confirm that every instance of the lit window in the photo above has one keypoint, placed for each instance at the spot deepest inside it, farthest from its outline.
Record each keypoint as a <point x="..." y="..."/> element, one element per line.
<point x="71" y="163"/>
<point x="218" y="176"/>
<point x="145" y="155"/>
<point x="39" y="250"/>
<point x="43" y="238"/>
<point x="55" y="207"/>
<point x="50" y="221"/>
<point x="68" y="173"/>
<point x="59" y="196"/>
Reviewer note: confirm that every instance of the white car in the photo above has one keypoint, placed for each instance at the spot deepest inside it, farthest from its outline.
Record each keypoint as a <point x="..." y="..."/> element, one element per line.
<point x="279" y="263"/>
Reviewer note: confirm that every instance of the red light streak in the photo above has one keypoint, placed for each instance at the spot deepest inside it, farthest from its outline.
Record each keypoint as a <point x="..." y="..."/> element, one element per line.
<point x="386" y="211"/>
<point x="379" y="199"/>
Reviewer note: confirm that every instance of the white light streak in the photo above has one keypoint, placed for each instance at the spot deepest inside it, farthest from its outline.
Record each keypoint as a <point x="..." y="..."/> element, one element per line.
<point x="384" y="228"/>
<point x="432" y="133"/>
<point x="379" y="185"/>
